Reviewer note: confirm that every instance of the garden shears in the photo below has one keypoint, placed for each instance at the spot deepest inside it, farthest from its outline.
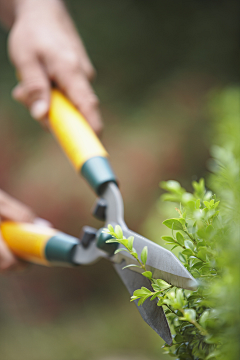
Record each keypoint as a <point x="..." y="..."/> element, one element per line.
<point x="46" y="246"/>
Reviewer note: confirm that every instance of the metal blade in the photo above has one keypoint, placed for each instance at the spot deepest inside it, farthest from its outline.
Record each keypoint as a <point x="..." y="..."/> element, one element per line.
<point x="152" y="314"/>
<point x="89" y="255"/>
<point x="162" y="262"/>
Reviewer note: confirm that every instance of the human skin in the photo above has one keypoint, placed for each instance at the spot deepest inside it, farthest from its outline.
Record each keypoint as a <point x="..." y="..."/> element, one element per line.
<point x="11" y="209"/>
<point x="44" y="47"/>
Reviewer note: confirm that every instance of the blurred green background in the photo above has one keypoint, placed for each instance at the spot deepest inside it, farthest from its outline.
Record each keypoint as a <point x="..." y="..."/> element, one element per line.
<point x="157" y="62"/>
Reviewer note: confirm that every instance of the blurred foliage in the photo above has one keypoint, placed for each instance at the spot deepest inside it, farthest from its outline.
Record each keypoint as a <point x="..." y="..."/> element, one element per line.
<point x="206" y="322"/>
<point x="225" y="181"/>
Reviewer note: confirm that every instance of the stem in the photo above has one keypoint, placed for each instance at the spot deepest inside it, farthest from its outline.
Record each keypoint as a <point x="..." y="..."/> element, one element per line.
<point x="196" y="324"/>
<point x="171" y="310"/>
<point x="199" y="327"/>
<point x="190" y="236"/>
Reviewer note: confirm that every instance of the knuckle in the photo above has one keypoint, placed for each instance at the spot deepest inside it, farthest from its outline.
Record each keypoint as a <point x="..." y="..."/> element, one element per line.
<point x="71" y="62"/>
<point x="27" y="214"/>
<point x="35" y="85"/>
<point x="90" y="101"/>
<point x="91" y="73"/>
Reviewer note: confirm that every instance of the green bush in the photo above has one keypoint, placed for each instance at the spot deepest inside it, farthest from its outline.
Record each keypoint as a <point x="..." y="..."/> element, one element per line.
<point x="205" y="322"/>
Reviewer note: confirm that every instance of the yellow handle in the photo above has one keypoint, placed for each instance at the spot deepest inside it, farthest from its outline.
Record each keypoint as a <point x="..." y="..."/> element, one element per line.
<point x="73" y="132"/>
<point x="38" y="244"/>
<point x="27" y="241"/>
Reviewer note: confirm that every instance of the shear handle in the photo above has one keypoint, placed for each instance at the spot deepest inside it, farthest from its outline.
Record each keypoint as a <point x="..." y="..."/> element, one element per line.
<point x="38" y="244"/>
<point x="79" y="142"/>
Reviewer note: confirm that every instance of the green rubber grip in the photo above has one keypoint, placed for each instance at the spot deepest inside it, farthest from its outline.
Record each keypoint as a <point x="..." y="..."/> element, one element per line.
<point x="60" y="248"/>
<point x="98" y="172"/>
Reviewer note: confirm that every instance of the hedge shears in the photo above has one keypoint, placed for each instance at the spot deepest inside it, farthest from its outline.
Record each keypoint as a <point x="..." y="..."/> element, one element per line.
<point x="47" y="246"/>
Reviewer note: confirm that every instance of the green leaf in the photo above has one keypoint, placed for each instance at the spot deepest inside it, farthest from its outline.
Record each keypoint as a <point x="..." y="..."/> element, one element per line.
<point x="197" y="265"/>
<point x="182" y="220"/>
<point x="131" y="265"/>
<point x="189" y="244"/>
<point x="147" y="274"/>
<point x="203" y="318"/>
<point x="141" y="301"/>
<point x="182" y="258"/>
<point x="118" y="231"/>
<point x="130" y="242"/>
<point x="110" y="228"/>
<point x="119" y="250"/>
<point x="207" y="204"/>
<point x="179" y="338"/>
<point x="160" y="302"/>
<point x="112" y="241"/>
<point x="187" y="252"/>
<point x="158" y="293"/>
<point x="198" y="203"/>
<point x="209" y="230"/>
<point x="139" y="293"/>
<point x="179" y="297"/>
<point x="180" y="238"/>
<point x="213" y="355"/>
<point x="172" y="185"/>
<point x="124" y="242"/>
<point x="144" y="255"/>
<point x="216" y="204"/>
<point x="146" y="290"/>
<point x="174" y="224"/>
<point x="163" y="284"/>
<point x="169" y="239"/>
<point x="190" y="314"/>
<point x="202" y="253"/>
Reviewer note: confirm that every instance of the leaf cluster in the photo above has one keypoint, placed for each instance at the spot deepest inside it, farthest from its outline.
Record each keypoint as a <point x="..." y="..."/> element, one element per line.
<point x="205" y="322"/>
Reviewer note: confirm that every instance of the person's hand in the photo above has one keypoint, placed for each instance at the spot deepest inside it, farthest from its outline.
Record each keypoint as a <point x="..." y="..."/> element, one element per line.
<point x="11" y="209"/>
<point x="45" y="47"/>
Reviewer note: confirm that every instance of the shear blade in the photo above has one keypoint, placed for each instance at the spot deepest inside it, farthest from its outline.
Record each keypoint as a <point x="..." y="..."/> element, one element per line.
<point x="162" y="262"/>
<point x="152" y="314"/>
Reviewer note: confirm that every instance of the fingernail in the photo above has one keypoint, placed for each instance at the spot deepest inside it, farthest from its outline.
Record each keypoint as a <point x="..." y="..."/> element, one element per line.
<point x="39" y="109"/>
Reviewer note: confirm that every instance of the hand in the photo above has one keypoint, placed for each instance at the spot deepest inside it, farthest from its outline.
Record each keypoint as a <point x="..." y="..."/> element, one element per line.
<point x="44" y="46"/>
<point x="11" y="209"/>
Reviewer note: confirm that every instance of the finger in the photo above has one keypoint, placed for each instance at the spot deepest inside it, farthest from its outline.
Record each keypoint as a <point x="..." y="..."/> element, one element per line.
<point x="79" y="49"/>
<point x="34" y="88"/>
<point x="77" y="88"/>
<point x="42" y="222"/>
<point x="14" y="210"/>
<point x="7" y="259"/>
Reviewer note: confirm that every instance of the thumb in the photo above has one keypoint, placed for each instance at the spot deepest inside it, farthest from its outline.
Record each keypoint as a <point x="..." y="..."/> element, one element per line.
<point x="34" y="88"/>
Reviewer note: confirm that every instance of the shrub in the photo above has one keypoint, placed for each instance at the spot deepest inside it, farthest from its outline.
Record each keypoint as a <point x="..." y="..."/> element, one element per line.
<point x="205" y="322"/>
